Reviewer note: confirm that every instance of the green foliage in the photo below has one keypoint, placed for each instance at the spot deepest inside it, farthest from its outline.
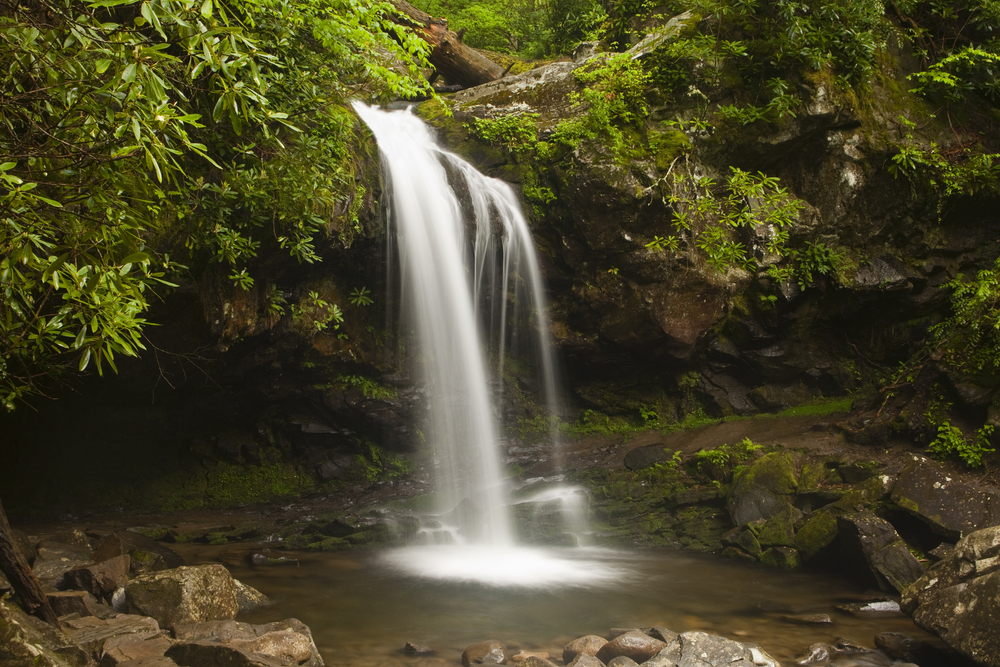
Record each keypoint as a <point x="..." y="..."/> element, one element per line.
<point x="951" y="441"/>
<point x="370" y="388"/>
<point x="124" y="120"/>
<point x="360" y="296"/>
<point x="382" y="465"/>
<point x="515" y="132"/>
<point x="612" y="102"/>
<point x="315" y="314"/>
<point x="969" y="339"/>
<point x="711" y="219"/>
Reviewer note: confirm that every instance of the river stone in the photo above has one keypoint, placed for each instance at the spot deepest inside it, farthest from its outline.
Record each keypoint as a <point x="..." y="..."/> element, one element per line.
<point x="764" y="489"/>
<point x="584" y="660"/>
<point x="535" y="661"/>
<point x="417" y="649"/>
<point x="110" y="547"/>
<point x="663" y="634"/>
<point x="72" y="602"/>
<point x="958" y="599"/>
<point x="951" y="508"/>
<point x="489" y="652"/>
<point x="623" y="661"/>
<point x="634" y="644"/>
<point x="54" y="560"/>
<point x="873" y="549"/>
<point x="184" y="595"/>
<point x="586" y="645"/>
<point x="700" y="648"/>
<point x="147" y="554"/>
<point x="643" y="457"/>
<point x="522" y="655"/>
<point x="248" y="598"/>
<point x="100" y="579"/>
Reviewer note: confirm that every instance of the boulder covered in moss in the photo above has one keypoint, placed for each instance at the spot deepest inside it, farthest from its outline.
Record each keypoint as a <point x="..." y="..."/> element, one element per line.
<point x="763" y="490"/>
<point x="184" y="595"/>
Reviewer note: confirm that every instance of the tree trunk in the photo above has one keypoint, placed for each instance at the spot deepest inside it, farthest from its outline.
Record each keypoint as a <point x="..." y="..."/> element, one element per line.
<point x="20" y="576"/>
<point x="454" y="60"/>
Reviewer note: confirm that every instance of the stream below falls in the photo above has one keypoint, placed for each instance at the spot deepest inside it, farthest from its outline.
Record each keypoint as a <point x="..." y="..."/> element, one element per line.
<point x="363" y="612"/>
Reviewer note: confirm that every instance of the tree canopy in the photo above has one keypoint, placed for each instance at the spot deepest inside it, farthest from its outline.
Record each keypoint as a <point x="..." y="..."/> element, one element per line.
<point x="219" y="123"/>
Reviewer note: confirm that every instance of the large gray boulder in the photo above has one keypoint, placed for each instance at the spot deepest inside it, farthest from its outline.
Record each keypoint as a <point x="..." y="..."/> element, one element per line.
<point x="873" y="547"/>
<point x="287" y="642"/>
<point x="184" y="595"/>
<point x="700" y="649"/>
<point x="763" y="490"/>
<point x="950" y="507"/>
<point x="958" y="598"/>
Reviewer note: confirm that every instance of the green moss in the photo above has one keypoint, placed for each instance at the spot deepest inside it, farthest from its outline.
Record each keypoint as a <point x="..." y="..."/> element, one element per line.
<point x="668" y="146"/>
<point x="819" y="407"/>
<point x="774" y="472"/>
<point x="817" y="532"/>
<point x="778" y="531"/>
<point x="783" y="557"/>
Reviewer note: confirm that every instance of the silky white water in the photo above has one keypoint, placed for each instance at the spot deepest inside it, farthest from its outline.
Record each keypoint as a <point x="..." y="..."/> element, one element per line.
<point x="462" y="267"/>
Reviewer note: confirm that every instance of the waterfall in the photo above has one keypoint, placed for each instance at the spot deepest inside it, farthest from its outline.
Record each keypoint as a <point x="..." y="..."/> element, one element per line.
<point x="471" y="286"/>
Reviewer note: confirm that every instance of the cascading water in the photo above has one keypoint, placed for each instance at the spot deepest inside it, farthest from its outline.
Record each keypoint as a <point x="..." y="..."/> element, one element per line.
<point x="447" y="300"/>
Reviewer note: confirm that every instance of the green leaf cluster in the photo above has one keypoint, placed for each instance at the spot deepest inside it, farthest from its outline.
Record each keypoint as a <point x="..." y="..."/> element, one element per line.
<point x="217" y="128"/>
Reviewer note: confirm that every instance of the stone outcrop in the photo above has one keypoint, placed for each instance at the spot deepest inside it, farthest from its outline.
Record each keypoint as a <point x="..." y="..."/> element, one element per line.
<point x="951" y="507"/>
<point x="958" y="598"/>
<point x="184" y="595"/>
<point x="872" y="544"/>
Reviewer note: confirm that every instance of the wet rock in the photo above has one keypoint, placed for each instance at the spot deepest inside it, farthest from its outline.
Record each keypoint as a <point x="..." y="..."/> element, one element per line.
<point x="585" y="660"/>
<point x="123" y="650"/>
<point x="634" y="644"/>
<point x="586" y="645"/>
<point x="950" y="507"/>
<point x="248" y="598"/>
<point x="940" y="552"/>
<point x="287" y="642"/>
<point x="817" y="533"/>
<point x="874" y="550"/>
<point x="763" y="490"/>
<point x="110" y="547"/>
<point x="784" y="557"/>
<point x="26" y="641"/>
<point x="72" y="602"/>
<point x="872" y="609"/>
<point x="54" y="560"/>
<point x="701" y="648"/>
<point x="663" y="634"/>
<point x="808" y="619"/>
<point x="643" y="457"/>
<point x="266" y="558"/>
<point x="148" y="555"/>
<point x="100" y="579"/>
<point x="777" y="531"/>
<point x="490" y="652"/>
<point x="417" y="649"/>
<point x="535" y="661"/>
<point x="958" y="598"/>
<point x="73" y="537"/>
<point x="184" y="595"/>
<point x="623" y="661"/>
<point x="521" y="656"/>
<point x="903" y="647"/>
<point x="816" y="654"/>
<point x="92" y="634"/>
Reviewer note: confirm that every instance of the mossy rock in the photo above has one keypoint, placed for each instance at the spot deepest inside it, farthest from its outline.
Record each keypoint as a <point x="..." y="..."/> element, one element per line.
<point x="330" y="544"/>
<point x="818" y="532"/>
<point x="764" y="489"/>
<point x="783" y="557"/>
<point x="778" y="531"/>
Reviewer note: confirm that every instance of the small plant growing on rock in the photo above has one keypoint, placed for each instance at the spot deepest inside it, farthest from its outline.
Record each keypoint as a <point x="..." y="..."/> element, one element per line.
<point x="951" y="441"/>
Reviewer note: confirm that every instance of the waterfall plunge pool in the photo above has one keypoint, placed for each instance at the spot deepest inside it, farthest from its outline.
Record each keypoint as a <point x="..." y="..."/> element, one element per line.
<point x="363" y="608"/>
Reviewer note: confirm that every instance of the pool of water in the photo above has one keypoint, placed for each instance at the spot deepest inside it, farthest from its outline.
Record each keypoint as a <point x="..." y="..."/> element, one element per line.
<point x="363" y="608"/>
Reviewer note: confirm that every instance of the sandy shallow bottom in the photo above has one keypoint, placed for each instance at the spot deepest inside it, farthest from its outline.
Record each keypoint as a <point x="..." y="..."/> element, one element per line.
<point x="363" y="607"/>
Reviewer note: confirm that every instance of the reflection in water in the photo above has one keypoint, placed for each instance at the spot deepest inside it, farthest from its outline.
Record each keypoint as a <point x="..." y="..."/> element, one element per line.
<point x="362" y="610"/>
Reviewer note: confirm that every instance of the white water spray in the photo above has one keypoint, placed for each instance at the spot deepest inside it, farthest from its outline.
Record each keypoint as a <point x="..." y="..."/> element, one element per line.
<point x="452" y="287"/>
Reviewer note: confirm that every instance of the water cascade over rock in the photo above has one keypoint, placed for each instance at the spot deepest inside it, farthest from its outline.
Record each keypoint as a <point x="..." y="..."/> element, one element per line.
<point x="462" y="268"/>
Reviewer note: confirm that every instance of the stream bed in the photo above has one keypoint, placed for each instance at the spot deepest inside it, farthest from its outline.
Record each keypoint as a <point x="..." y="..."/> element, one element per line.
<point x="362" y="611"/>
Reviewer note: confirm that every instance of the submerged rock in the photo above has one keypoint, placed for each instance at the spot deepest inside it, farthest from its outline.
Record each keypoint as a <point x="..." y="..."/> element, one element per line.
<point x="490" y="652"/>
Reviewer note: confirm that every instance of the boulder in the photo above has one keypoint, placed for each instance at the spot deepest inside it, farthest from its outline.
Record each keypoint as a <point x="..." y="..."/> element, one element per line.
<point x="643" y="457"/>
<point x="25" y="641"/>
<point x="123" y="650"/>
<point x="110" y="547"/>
<point x="584" y="660"/>
<point x="958" y="598"/>
<point x="535" y="661"/>
<point x="417" y="649"/>
<point x="586" y="645"/>
<point x="72" y="602"/>
<point x="207" y="644"/>
<point x="784" y="557"/>
<point x="764" y="489"/>
<point x="248" y="598"/>
<point x="871" y="547"/>
<point x="184" y="595"/>
<point x="663" y="634"/>
<point x="950" y="507"/>
<point x="700" y="649"/>
<point x="55" y="559"/>
<point x="634" y="644"/>
<point x="623" y="661"/>
<point x="489" y="652"/>
<point x="523" y="655"/>
<point x="100" y="579"/>
<point x="93" y="634"/>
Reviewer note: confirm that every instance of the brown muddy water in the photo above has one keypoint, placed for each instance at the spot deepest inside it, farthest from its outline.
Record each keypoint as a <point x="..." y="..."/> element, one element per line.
<point x="362" y="611"/>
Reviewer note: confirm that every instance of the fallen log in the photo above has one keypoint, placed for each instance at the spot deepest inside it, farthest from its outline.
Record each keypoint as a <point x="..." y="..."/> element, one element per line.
<point x="458" y="63"/>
